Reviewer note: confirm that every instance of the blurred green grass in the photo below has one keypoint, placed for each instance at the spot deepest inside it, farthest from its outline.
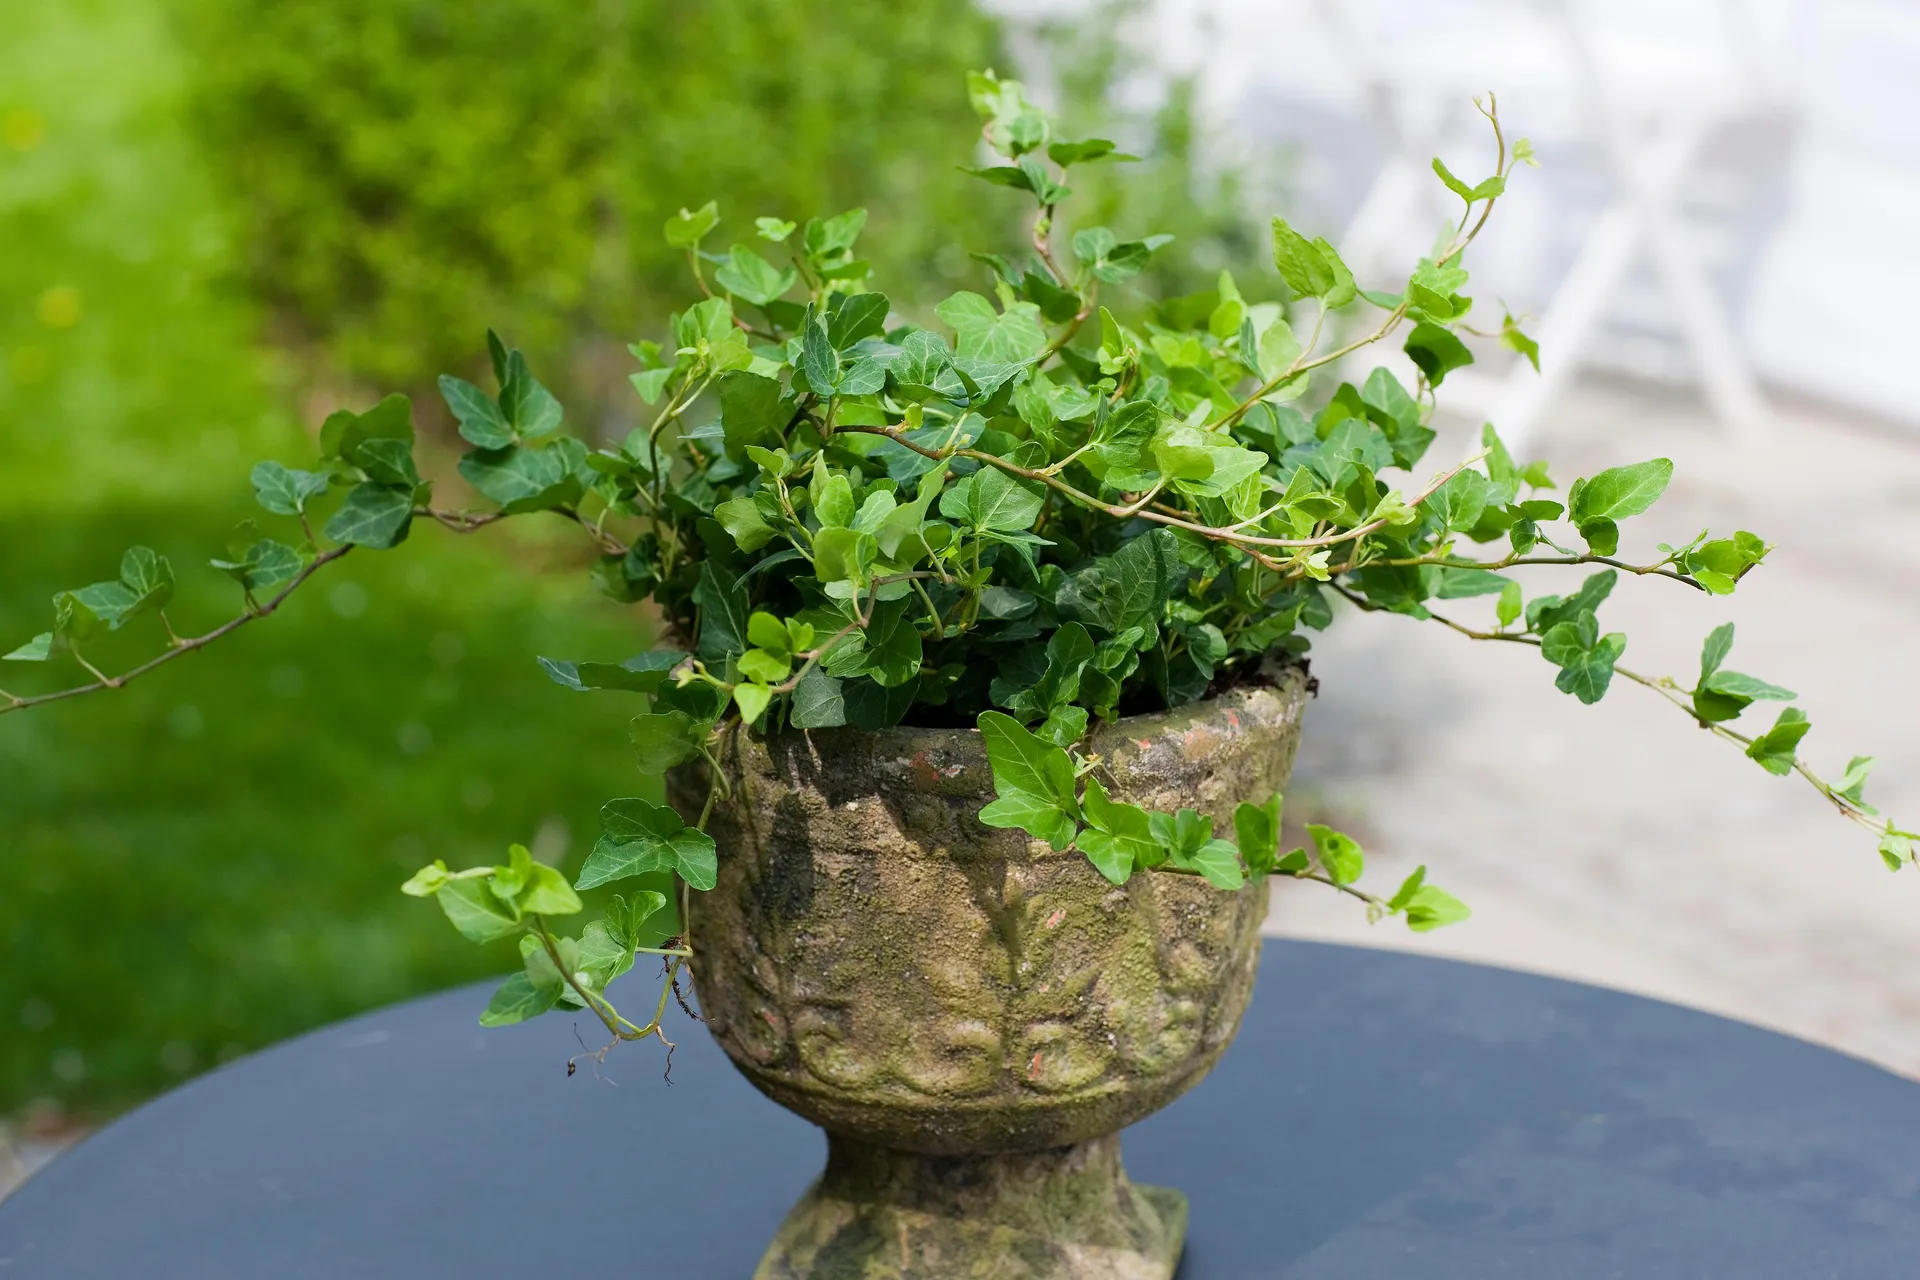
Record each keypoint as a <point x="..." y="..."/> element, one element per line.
<point x="208" y="860"/>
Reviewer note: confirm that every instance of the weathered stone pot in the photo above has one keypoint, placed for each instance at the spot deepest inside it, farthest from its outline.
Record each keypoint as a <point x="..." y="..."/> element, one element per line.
<point x="971" y="1016"/>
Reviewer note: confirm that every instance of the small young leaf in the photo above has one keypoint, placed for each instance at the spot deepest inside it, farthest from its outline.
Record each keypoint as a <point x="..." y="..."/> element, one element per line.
<point x="1774" y="750"/>
<point x="1258" y="829"/>
<point x="686" y="229"/>
<point x="1454" y="184"/>
<point x="1340" y="854"/>
<point x="1432" y="907"/>
<point x="38" y="649"/>
<point x="1300" y="263"/>
<point x="752" y="699"/>
<point x="1507" y="610"/>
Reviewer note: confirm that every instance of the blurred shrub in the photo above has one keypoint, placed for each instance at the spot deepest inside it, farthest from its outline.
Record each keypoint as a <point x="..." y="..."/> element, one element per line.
<point x="409" y="171"/>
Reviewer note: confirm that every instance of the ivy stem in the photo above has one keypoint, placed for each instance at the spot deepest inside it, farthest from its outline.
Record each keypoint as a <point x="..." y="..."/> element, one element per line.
<point x="1453" y="562"/>
<point x="1667" y="688"/>
<point x="184" y="646"/>
<point x="1219" y="534"/>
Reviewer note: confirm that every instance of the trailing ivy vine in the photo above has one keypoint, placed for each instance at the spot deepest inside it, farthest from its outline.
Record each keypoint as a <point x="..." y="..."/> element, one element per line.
<point x="1029" y="517"/>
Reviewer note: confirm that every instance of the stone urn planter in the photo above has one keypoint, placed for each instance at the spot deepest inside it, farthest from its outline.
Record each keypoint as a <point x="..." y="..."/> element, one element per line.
<point x="971" y="1016"/>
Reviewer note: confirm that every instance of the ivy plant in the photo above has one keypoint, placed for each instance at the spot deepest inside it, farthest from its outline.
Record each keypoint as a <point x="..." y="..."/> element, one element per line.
<point x="1044" y="506"/>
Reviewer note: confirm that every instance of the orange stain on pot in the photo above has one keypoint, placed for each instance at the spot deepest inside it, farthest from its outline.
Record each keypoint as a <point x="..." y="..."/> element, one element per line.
<point x="1198" y="742"/>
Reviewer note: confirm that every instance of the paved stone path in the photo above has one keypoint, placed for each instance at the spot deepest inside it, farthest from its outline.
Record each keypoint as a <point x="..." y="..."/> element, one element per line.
<point x="1617" y="844"/>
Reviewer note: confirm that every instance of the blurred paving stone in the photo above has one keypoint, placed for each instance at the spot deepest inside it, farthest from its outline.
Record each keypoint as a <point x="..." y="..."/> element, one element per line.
<point x="21" y="1156"/>
<point x="1616" y="844"/>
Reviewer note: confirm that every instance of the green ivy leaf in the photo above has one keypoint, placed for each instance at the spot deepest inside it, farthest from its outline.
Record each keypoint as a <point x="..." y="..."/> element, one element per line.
<point x="980" y="332"/>
<point x="1033" y="779"/>
<point x="547" y="893"/>
<point x="1457" y="505"/>
<point x="476" y="912"/>
<point x="389" y="462"/>
<point x="283" y="491"/>
<point x="1186" y="839"/>
<point x="482" y="425"/>
<point x="842" y="555"/>
<point x="750" y="409"/>
<point x="1618" y="492"/>
<point x="1340" y="854"/>
<point x="517" y="999"/>
<point x="752" y="699"/>
<point x="374" y="515"/>
<point x="1257" y="827"/>
<point x="852" y="317"/>
<point x="1508" y="608"/>
<point x="1586" y="662"/>
<point x="817" y="702"/>
<point x="605" y="952"/>
<point x="1127" y="589"/>
<point x="893" y="643"/>
<point x="638" y="836"/>
<point x="742" y="520"/>
<point x="686" y="229"/>
<point x="1513" y="339"/>
<point x="1064" y="725"/>
<point x="663" y="739"/>
<point x="723" y="613"/>
<point x="992" y="499"/>
<point x="765" y="668"/>
<point x="1119" y="837"/>
<point x="266" y="565"/>
<point x="344" y="431"/>
<point x="1301" y="263"/>
<point x="1432" y="907"/>
<point x="1720" y="564"/>
<point x="1436" y="351"/>
<point x="38" y="649"/>
<point x="1774" y="750"/>
<point x="642" y="673"/>
<point x="1066" y="154"/>
<point x="745" y="274"/>
<point x="1068" y="651"/>
<point x="523" y="479"/>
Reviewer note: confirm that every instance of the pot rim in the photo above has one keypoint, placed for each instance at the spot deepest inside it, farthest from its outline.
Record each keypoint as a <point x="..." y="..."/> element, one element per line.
<point x="1284" y="676"/>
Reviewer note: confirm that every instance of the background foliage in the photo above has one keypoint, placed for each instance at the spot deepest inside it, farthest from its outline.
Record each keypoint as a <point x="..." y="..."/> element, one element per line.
<point x="207" y="865"/>
<point x="401" y="169"/>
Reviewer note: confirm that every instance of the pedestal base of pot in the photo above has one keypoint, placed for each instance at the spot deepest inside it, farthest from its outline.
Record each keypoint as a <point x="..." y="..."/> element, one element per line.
<point x="1064" y="1214"/>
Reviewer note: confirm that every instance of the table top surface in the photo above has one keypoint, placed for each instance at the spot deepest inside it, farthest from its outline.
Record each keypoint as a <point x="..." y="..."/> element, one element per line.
<point x="1380" y="1115"/>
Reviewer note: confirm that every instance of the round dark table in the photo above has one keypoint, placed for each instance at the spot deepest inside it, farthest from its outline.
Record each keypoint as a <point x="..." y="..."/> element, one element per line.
<point x="1381" y="1115"/>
